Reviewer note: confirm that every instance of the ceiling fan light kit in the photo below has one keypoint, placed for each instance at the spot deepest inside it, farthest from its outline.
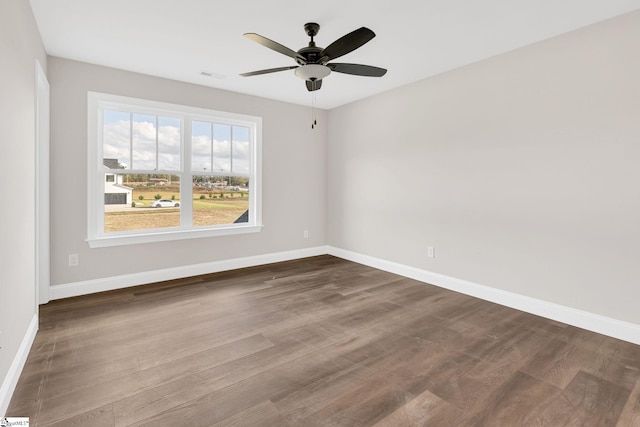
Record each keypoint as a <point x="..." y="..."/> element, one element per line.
<point x="312" y="72"/>
<point x="314" y="62"/>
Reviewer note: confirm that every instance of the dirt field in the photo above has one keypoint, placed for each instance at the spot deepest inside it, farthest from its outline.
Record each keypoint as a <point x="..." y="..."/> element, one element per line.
<point x="206" y="212"/>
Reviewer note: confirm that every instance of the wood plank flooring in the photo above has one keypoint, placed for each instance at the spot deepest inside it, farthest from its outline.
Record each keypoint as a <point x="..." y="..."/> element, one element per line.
<point x="317" y="342"/>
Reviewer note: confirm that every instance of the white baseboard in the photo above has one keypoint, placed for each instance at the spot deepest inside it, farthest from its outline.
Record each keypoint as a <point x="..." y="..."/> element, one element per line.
<point x="117" y="282"/>
<point x="593" y="322"/>
<point x="11" y="380"/>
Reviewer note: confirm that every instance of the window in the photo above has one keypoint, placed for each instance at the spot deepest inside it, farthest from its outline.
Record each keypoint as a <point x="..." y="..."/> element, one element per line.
<point x="161" y="171"/>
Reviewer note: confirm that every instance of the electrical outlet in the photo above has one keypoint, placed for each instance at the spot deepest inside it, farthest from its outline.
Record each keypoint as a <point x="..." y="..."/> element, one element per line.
<point x="431" y="252"/>
<point x="305" y="234"/>
<point x="74" y="260"/>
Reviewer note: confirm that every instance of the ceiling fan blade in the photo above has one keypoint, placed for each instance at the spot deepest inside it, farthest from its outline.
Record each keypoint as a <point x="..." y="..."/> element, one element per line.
<point x="274" y="46"/>
<point x="267" y="71"/>
<point x="313" y="85"/>
<point x="347" y="43"/>
<point x="358" y="69"/>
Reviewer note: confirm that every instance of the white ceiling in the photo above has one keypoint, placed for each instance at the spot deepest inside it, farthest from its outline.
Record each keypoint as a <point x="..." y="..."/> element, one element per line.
<point x="414" y="39"/>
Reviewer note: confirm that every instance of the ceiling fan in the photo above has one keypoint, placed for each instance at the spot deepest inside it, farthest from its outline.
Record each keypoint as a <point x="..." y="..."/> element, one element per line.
<point x="313" y="61"/>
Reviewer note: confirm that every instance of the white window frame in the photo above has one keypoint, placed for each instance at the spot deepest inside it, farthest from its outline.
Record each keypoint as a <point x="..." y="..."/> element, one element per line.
<point x="96" y="237"/>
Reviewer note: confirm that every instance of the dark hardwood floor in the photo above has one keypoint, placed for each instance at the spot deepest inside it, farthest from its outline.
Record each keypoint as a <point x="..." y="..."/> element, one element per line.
<point x="317" y="342"/>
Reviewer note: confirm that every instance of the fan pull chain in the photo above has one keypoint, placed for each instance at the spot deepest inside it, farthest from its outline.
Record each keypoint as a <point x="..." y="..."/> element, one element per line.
<point x="314" y="122"/>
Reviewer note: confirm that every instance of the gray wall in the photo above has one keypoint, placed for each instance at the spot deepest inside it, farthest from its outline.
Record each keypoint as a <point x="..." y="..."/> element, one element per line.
<point x="522" y="170"/>
<point x="294" y="184"/>
<point x="20" y="46"/>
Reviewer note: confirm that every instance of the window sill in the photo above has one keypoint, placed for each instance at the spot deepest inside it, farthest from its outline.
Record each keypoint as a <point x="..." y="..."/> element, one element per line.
<point x="164" y="236"/>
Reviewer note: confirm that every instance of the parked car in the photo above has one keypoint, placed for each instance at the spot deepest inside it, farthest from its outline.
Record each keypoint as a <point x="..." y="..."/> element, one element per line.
<point x="165" y="203"/>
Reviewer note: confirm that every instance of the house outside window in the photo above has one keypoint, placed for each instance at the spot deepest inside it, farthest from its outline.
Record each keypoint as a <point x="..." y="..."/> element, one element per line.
<point x="161" y="171"/>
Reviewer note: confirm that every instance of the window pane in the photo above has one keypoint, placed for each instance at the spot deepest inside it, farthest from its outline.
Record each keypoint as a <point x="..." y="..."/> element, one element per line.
<point x="220" y="200"/>
<point x="141" y="202"/>
<point x="221" y="148"/>
<point x="116" y="138"/>
<point x="240" y="149"/>
<point x="168" y="143"/>
<point x="144" y="142"/>
<point x="201" y="146"/>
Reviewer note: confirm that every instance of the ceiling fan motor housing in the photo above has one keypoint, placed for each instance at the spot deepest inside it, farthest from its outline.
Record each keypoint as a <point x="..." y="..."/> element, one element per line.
<point x="311" y="54"/>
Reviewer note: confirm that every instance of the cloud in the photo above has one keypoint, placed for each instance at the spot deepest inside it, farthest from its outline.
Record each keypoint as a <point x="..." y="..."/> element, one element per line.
<point x="116" y="141"/>
<point x="141" y="151"/>
<point x="118" y="144"/>
<point x="241" y="157"/>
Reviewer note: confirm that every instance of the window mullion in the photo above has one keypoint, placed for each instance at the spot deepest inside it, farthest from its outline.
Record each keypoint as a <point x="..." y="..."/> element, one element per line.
<point x="131" y="140"/>
<point x="186" y="177"/>
<point x="157" y="143"/>
<point x="212" y="139"/>
<point x="231" y="150"/>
